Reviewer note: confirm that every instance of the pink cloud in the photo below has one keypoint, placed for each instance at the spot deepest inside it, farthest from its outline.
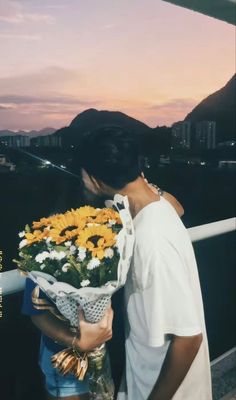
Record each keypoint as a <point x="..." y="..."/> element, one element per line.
<point x="13" y="12"/>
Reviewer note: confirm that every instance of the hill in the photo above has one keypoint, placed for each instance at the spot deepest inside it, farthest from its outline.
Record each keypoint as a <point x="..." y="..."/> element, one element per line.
<point x="91" y="119"/>
<point x="220" y="106"/>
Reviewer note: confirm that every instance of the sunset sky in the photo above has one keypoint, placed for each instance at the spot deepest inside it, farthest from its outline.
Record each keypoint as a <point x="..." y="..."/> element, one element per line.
<point x="150" y="59"/>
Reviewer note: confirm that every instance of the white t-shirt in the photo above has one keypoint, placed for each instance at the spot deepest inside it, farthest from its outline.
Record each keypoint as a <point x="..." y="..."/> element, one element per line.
<point x="163" y="297"/>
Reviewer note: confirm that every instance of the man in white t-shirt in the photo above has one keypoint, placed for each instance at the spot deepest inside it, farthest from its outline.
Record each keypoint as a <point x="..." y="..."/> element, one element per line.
<point x="166" y="343"/>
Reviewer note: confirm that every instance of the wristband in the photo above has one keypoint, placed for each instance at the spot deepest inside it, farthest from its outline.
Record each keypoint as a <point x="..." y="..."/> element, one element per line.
<point x="73" y="342"/>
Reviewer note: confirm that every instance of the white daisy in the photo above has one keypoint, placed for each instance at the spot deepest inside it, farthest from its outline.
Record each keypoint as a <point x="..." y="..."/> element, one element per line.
<point x="68" y="243"/>
<point x="53" y="254"/>
<point x="42" y="256"/>
<point x="111" y="222"/>
<point x="65" y="267"/>
<point x="109" y="252"/>
<point x="85" y="283"/>
<point x="23" y="243"/>
<point x="21" y="234"/>
<point x="72" y="249"/>
<point x="57" y="255"/>
<point x="94" y="263"/>
<point x="117" y="239"/>
<point x="81" y="253"/>
<point x="61" y="255"/>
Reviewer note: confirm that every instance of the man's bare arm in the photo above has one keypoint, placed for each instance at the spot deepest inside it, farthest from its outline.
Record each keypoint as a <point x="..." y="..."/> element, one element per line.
<point x="180" y="355"/>
<point x="91" y="335"/>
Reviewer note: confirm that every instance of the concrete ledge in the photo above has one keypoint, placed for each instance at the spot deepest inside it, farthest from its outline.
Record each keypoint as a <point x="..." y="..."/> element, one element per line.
<point x="230" y="396"/>
<point x="223" y="371"/>
<point x="224" y="363"/>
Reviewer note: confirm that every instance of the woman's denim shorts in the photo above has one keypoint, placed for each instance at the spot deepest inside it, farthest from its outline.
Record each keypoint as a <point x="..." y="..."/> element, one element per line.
<point x="56" y="384"/>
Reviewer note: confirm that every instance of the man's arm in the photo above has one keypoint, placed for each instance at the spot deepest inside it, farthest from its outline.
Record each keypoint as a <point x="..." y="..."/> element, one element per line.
<point x="91" y="335"/>
<point x="180" y="355"/>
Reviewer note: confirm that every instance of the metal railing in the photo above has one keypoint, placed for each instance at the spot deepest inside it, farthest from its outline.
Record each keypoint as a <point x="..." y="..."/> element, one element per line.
<point x="12" y="282"/>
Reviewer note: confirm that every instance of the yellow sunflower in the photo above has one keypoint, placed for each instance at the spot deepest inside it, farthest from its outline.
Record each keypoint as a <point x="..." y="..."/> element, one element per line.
<point x="36" y="236"/>
<point x="66" y="227"/>
<point x="106" y="214"/>
<point x="46" y="221"/>
<point x="96" y="239"/>
<point x="84" y="212"/>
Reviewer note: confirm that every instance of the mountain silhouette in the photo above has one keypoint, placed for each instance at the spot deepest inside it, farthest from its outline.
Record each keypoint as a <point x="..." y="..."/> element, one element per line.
<point x="91" y="119"/>
<point x="220" y="107"/>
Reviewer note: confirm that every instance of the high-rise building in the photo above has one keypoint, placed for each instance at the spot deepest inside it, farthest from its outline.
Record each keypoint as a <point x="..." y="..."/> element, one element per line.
<point x="181" y="135"/>
<point x="47" y="141"/>
<point x="205" y="135"/>
<point x="16" y="141"/>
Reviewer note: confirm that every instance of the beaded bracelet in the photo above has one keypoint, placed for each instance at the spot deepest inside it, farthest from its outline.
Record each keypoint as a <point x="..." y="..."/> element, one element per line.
<point x="159" y="190"/>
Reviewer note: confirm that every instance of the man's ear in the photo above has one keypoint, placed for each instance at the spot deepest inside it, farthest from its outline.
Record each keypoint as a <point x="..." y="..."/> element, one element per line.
<point x="100" y="186"/>
<point x="96" y="182"/>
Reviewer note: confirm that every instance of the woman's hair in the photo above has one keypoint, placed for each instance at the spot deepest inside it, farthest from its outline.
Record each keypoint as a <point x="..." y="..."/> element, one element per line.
<point x="110" y="154"/>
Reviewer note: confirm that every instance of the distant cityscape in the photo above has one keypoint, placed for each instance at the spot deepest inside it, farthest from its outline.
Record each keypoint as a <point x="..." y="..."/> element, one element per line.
<point x="206" y="137"/>
<point x="190" y="144"/>
<point x="194" y="136"/>
<point x="185" y="135"/>
<point x="27" y="141"/>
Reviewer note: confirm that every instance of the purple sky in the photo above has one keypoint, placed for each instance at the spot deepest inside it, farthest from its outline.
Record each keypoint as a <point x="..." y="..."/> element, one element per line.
<point x="152" y="60"/>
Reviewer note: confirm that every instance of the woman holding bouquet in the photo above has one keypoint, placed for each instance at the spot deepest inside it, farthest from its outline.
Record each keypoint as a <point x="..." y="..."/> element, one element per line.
<point x="56" y="335"/>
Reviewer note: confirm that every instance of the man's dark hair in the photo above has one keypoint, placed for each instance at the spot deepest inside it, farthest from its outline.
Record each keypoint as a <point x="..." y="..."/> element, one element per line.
<point x="110" y="154"/>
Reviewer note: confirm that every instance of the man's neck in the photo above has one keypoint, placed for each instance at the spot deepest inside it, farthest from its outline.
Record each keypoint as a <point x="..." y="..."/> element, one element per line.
<point x="139" y="195"/>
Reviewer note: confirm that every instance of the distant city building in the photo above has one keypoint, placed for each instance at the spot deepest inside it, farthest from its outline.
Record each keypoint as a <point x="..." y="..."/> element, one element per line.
<point x="181" y="135"/>
<point x="16" y="141"/>
<point x="195" y="136"/>
<point x="46" y="141"/>
<point x="5" y="164"/>
<point x="205" y="135"/>
<point x="227" y="144"/>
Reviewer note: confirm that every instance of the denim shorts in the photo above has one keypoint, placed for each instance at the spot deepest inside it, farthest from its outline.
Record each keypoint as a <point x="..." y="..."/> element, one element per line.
<point x="57" y="384"/>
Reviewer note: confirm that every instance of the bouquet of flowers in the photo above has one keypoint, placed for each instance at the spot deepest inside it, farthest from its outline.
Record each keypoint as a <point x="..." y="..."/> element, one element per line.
<point x="80" y="258"/>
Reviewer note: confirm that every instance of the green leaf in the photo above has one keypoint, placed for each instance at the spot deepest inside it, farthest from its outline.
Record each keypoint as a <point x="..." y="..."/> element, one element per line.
<point x="27" y="228"/>
<point x="60" y="248"/>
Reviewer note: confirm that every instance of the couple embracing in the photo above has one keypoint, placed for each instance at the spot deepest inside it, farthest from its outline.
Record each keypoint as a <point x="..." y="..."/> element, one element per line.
<point x="165" y="336"/>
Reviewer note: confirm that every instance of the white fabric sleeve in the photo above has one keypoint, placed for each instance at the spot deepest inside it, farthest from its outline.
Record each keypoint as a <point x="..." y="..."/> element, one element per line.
<point x="169" y="296"/>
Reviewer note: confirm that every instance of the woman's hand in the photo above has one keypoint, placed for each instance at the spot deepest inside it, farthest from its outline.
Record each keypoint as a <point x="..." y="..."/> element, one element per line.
<point x="169" y="197"/>
<point x="93" y="335"/>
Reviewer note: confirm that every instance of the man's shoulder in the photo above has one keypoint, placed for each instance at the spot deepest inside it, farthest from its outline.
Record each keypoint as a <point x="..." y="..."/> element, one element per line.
<point x="161" y="224"/>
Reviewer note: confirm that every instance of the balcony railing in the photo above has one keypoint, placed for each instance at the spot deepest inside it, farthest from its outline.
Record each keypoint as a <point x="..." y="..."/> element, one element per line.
<point x="12" y="282"/>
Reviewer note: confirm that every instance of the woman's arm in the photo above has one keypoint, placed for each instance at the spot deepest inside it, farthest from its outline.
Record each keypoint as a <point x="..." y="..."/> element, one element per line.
<point x="174" y="202"/>
<point x="91" y="335"/>
<point x="169" y="197"/>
